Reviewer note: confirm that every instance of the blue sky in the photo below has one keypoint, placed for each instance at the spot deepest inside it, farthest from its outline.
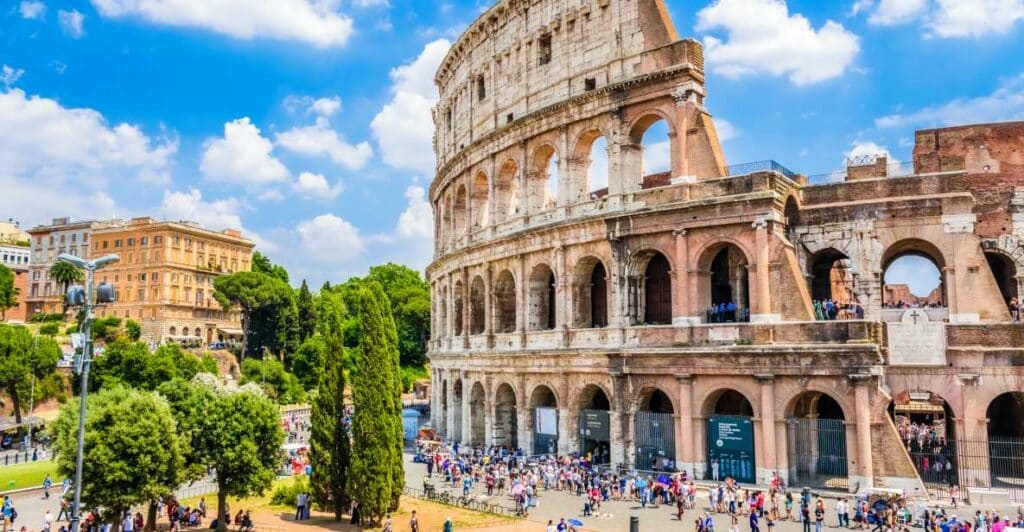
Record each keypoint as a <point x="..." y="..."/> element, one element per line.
<point x="306" y="122"/>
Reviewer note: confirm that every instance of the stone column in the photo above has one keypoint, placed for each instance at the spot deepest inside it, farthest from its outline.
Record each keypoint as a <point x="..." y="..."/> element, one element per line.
<point x="781" y="450"/>
<point x="567" y="188"/>
<point x="488" y="423"/>
<point x="489" y="305"/>
<point x="492" y="204"/>
<point x="450" y="406"/>
<point x="761" y="310"/>
<point x="524" y="434"/>
<point x="680" y="166"/>
<point x="467" y="412"/>
<point x="521" y="302"/>
<point x="684" y="429"/>
<point x="682" y="304"/>
<point x="767" y="432"/>
<point x="565" y="430"/>
<point x="862" y="412"/>
<point x="466" y="311"/>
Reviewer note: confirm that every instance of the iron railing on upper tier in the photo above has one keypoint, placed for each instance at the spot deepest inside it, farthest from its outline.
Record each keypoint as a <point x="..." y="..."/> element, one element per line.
<point x="769" y="165"/>
<point x="892" y="170"/>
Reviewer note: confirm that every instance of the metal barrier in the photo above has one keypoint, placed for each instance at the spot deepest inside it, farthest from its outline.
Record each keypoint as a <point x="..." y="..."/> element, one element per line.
<point x="758" y="166"/>
<point x="22" y="457"/>
<point x="470" y="503"/>
<point x="892" y="170"/>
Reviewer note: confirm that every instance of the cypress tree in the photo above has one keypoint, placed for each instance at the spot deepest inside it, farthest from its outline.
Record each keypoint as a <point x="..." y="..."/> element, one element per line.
<point x="329" y="439"/>
<point x="377" y="421"/>
<point x="397" y="464"/>
<point x="307" y="313"/>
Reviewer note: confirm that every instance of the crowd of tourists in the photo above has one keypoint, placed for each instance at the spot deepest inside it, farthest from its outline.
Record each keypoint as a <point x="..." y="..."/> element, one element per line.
<point x="828" y="309"/>
<point x="927" y="445"/>
<point x="1016" y="308"/>
<point x="900" y="304"/>
<point x="727" y="312"/>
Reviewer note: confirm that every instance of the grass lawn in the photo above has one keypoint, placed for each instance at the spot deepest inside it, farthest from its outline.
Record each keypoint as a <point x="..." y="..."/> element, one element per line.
<point x="27" y="475"/>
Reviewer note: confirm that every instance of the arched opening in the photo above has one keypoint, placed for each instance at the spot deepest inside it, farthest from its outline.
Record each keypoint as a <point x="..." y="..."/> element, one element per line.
<point x="730" y="436"/>
<point x="545" y="420"/>
<point x="477" y="410"/>
<point x="505" y="303"/>
<point x="590" y="289"/>
<point x="542" y="190"/>
<point x="456" y="429"/>
<point x="184" y="331"/>
<point x="590" y="160"/>
<point x="541" y="298"/>
<point x="442" y="314"/>
<point x="481" y="205"/>
<point x="457" y="312"/>
<point x="595" y="425"/>
<point x="831" y="284"/>
<point x="447" y="224"/>
<point x="652" y="133"/>
<point x="654" y="432"/>
<point x="730" y="286"/>
<point x="477" y="306"/>
<point x="443" y="422"/>
<point x="1006" y="440"/>
<point x="912" y="276"/>
<point x="657" y="282"/>
<point x="816" y="438"/>
<point x="505" y="428"/>
<point x="1005" y="273"/>
<point x="792" y="212"/>
<point x="173" y="331"/>
<point x="506" y="205"/>
<point x="927" y="429"/>
<point x="461" y="211"/>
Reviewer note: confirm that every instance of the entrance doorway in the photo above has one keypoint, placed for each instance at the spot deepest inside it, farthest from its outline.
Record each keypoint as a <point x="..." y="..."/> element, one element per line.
<point x="730" y="438"/>
<point x="595" y="425"/>
<point x="545" y="420"/>
<point x="816" y="438"/>
<point x="654" y="432"/>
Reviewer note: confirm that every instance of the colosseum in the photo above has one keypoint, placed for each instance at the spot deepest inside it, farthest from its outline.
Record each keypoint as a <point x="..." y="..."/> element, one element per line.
<point x="726" y="320"/>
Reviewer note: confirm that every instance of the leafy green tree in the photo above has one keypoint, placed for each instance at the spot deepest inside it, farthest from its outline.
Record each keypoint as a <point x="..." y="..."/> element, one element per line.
<point x="134" y="453"/>
<point x="330" y="442"/>
<point x="8" y="292"/>
<point x="238" y="434"/>
<point x="23" y="356"/>
<point x="50" y="329"/>
<point x="261" y="299"/>
<point x="276" y="382"/>
<point x="307" y="363"/>
<point x="395" y="383"/>
<point x="133" y="330"/>
<point x="306" y="312"/>
<point x="261" y="264"/>
<point x="377" y="420"/>
<point x="131" y="364"/>
<point x="65" y="274"/>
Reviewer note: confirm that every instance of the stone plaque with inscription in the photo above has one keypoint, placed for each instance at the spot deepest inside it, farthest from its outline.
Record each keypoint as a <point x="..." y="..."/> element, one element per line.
<point x="917" y="341"/>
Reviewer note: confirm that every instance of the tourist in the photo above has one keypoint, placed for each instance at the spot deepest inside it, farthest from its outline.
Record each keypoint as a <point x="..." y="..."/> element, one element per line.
<point x="819" y="515"/>
<point x="842" y="513"/>
<point x="414" y="522"/>
<point x="789" y="506"/>
<point x="551" y="527"/>
<point x="47" y="482"/>
<point x="47" y="521"/>
<point x="300" y="506"/>
<point x="388" y="527"/>
<point x="754" y="522"/>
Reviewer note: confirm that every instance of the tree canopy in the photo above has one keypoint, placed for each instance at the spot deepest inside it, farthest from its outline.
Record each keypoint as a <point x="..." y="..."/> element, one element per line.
<point x="131" y="364"/>
<point x="8" y="292"/>
<point x="263" y="300"/>
<point x="277" y="383"/>
<point x="22" y="356"/>
<point x="261" y="264"/>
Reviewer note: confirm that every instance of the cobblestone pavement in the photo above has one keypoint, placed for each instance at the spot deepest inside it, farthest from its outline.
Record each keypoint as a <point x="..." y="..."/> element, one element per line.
<point x="614" y="515"/>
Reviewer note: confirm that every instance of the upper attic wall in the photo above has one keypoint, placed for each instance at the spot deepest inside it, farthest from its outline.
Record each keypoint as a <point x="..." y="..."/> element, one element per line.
<point x="523" y="55"/>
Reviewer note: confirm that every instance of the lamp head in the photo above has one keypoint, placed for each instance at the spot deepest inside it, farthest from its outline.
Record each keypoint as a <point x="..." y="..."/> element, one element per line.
<point x="71" y="259"/>
<point x="103" y="261"/>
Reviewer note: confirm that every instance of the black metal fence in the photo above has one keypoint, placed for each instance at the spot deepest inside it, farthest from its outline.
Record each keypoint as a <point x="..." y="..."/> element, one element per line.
<point x="654" y="435"/>
<point x="817" y="453"/>
<point x="961" y="464"/>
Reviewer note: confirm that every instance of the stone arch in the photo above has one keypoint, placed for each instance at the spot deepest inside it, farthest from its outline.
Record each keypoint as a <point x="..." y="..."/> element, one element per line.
<point x="594" y="396"/>
<point x="591" y="293"/>
<point x="542" y="179"/>
<point x="458" y="310"/>
<point x="184" y="331"/>
<point x="477" y="306"/>
<point x="504" y="427"/>
<point x="829" y="276"/>
<point x="593" y="404"/>
<point x="477" y="413"/>
<point x="591" y="168"/>
<point x="543" y="394"/>
<point x="728" y="402"/>
<point x="541" y="298"/>
<point x="505" y="303"/>
<point x="653" y="398"/>
<point x="910" y="409"/>
<point x="480" y="197"/>
<point x="506" y="191"/>
<point x="442" y="313"/>
<point x="653" y="286"/>
<point x="173" y="331"/>
<point x="656" y="155"/>
<point x="806" y="400"/>
<point x="447" y="224"/>
<point x="816" y="439"/>
<point x="895" y="294"/>
<point x="461" y="211"/>
<point x="455" y="431"/>
<point x="1005" y="273"/>
<point x="726" y="292"/>
<point x="543" y="405"/>
<point x="445" y="407"/>
<point x="654" y="422"/>
<point x="1005" y="414"/>
<point x="792" y="211"/>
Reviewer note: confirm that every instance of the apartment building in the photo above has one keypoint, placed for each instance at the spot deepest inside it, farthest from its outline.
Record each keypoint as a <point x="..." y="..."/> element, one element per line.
<point x="47" y="242"/>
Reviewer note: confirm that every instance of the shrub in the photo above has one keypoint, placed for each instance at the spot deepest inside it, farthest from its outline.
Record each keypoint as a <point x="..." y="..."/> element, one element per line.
<point x="285" y="494"/>
<point x="133" y="329"/>
<point x="50" y="329"/>
<point x="43" y="317"/>
<point x="71" y="330"/>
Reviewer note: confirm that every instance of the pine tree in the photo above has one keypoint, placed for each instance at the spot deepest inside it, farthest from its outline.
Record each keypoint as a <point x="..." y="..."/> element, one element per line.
<point x="397" y="464"/>
<point x="307" y="312"/>
<point x="329" y="439"/>
<point x="377" y="421"/>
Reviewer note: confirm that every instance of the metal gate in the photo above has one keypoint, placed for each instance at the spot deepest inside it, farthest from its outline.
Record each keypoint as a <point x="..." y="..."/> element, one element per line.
<point x="817" y="453"/>
<point x="997" y="463"/>
<point x="655" y="438"/>
<point x="545" y="430"/>
<point x="595" y="435"/>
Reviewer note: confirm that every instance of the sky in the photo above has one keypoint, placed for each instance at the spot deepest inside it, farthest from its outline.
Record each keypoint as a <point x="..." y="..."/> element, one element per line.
<point x="306" y="123"/>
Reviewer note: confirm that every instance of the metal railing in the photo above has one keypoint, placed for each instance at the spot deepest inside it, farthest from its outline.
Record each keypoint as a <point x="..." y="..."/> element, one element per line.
<point x="892" y="170"/>
<point x="475" y="503"/>
<point x="768" y="165"/>
<point x="21" y="457"/>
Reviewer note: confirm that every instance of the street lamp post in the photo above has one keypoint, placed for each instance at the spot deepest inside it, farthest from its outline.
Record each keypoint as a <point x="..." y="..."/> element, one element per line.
<point x="90" y="268"/>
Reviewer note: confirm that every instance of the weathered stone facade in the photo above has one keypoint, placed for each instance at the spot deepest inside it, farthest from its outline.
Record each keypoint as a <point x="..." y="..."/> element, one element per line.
<point x="599" y="300"/>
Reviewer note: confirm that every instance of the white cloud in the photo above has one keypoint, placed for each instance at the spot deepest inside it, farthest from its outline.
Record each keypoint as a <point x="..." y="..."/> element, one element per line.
<point x="242" y="157"/>
<point x="370" y="3"/>
<point x="72" y="23"/>
<point x="32" y="9"/>
<point x="216" y="215"/>
<point x="893" y="12"/>
<point x="328" y="239"/>
<point x="326" y="106"/>
<point x="45" y="142"/>
<point x="404" y="127"/>
<point x="762" y="36"/>
<point x="417" y="220"/>
<point x="315" y="186"/>
<point x="865" y="148"/>
<point x="946" y="18"/>
<point x="9" y="76"/>
<point x="1005" y="103"/>
<point x="314" y="22"/>
<point x="657" y="158"/>
<point x="320" y="140"/>
<point x="726" y="131"/>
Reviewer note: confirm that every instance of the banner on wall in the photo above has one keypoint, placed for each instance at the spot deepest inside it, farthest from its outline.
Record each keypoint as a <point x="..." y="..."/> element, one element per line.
<point x="547" y="421"/>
